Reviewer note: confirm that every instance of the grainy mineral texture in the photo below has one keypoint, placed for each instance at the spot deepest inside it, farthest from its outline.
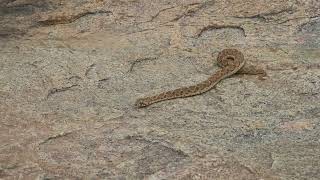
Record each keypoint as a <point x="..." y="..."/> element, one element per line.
<point x="71" y="71"/>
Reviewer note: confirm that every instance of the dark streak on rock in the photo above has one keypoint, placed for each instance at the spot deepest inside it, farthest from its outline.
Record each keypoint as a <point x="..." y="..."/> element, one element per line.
<point x="104" y="79"/>
<point x="215" y="27"/>
<point x="191" y="12"/>
<point x="257" y="16"/>
<point x="74" y="77"/>
<point x="138" y="61"/>
<point x="177" y="18"/>
<point x="273" y="13"/>
<point x="156" y="15"/>
<point x="69" y="19"/>
<point x="103" y="84"/>
<point x="89" y="69"/>
<point x="262" y="16"/>
<point x="198" y="8"/>
<point x="63" y="89"/>
<point x="56" y="137"/>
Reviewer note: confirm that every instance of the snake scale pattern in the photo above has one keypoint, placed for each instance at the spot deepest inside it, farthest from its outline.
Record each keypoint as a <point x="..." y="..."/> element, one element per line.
<point x="231" y="61"/>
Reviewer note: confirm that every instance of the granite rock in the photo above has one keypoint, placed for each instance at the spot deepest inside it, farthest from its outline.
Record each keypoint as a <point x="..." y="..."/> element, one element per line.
<point x="70" y="72"/>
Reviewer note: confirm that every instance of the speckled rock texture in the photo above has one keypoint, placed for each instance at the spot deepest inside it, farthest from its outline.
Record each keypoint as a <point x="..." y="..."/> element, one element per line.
<point x="71" y="71"/>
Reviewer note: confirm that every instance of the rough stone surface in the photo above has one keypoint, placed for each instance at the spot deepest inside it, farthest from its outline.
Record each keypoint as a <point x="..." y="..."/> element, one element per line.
<point x="71" y="70"/>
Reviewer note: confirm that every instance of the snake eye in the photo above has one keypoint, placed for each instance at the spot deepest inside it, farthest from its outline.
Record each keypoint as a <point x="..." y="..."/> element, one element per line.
<point x="230" y="58"/>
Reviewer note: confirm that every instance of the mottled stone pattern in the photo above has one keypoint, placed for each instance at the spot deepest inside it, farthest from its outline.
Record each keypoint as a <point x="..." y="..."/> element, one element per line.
<point x="71" y="71"/>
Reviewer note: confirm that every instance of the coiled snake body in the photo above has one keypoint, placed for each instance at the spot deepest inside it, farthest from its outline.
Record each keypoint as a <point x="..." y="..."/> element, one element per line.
<point x="231" y="61"/>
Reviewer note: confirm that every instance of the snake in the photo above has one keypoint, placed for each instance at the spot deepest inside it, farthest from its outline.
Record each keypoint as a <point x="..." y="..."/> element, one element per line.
<point x="230" y="61"/>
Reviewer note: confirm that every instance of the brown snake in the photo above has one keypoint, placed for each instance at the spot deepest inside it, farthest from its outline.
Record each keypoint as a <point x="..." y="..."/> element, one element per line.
<point x="231" y="61"/>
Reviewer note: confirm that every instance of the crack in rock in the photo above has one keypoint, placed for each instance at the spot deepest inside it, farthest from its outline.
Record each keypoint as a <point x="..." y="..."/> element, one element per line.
<point x="135" y="62"/>
<point x="262" y="16"/>
<point x="66" y="19"/>
<point x="216" y="27"/>
<point x="58" y="90"/>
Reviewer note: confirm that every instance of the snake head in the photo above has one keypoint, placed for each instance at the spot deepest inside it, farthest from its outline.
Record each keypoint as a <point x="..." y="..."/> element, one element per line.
<point x="229" y="57"/>
<point x="141" y="103"/>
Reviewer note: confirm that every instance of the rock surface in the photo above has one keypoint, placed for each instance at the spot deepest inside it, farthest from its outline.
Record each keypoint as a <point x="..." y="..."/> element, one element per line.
<point x="70" y="72"/>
